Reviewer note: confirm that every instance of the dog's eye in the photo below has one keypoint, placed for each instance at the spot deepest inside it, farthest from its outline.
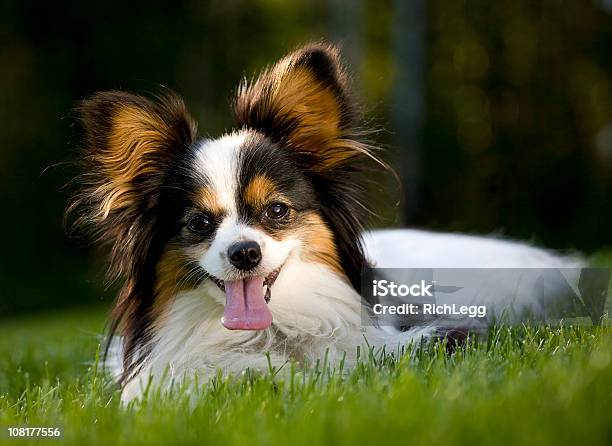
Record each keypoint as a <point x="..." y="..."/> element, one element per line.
<point x="199" y="224"/>
<point x="276" y="211"/>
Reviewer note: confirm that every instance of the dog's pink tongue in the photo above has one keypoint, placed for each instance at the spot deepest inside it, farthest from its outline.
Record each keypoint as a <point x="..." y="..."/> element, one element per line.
<point x="245" y="305"/>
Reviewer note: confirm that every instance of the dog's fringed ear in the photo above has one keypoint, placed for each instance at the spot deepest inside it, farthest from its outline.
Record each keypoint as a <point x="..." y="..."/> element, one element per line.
<point x="128" y="144"/>
<point x="303" y="102"/>
<point x="129" y="140"/>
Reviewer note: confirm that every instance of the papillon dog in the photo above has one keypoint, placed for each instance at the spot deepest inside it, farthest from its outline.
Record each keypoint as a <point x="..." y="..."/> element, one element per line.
<point x="237" y="251"/>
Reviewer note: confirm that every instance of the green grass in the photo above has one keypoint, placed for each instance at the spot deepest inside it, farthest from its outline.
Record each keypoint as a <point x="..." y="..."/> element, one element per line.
<point x="519" y="386"/>
<point x="535" y="386"/>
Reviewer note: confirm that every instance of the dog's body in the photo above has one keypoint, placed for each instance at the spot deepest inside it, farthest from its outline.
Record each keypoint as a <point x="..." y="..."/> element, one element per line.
<point x="252" y="242"/>
<point x="316" y="314"/>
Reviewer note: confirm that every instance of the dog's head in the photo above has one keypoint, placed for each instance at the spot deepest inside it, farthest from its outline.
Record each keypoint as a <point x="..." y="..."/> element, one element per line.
<point x="179" y="210"/>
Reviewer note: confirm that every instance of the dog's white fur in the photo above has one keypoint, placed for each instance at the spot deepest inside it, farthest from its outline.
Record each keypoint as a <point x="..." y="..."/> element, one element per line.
<point x="425" y="249"/>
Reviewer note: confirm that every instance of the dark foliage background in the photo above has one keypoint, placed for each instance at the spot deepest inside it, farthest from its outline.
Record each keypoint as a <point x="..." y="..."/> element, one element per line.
<point x="498" y="115"/>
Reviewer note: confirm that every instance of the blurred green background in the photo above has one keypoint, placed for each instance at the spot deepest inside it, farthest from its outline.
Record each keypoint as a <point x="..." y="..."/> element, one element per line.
<point x="497" y="115"/>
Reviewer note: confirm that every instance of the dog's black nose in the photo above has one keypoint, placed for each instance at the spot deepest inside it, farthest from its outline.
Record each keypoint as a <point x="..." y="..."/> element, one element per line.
<point x="244" y="255"/>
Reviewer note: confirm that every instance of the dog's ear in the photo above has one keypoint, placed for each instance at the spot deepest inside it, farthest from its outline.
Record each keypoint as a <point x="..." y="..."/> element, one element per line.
<point x="129" y="144"/>
<point x="303" y="103"/>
